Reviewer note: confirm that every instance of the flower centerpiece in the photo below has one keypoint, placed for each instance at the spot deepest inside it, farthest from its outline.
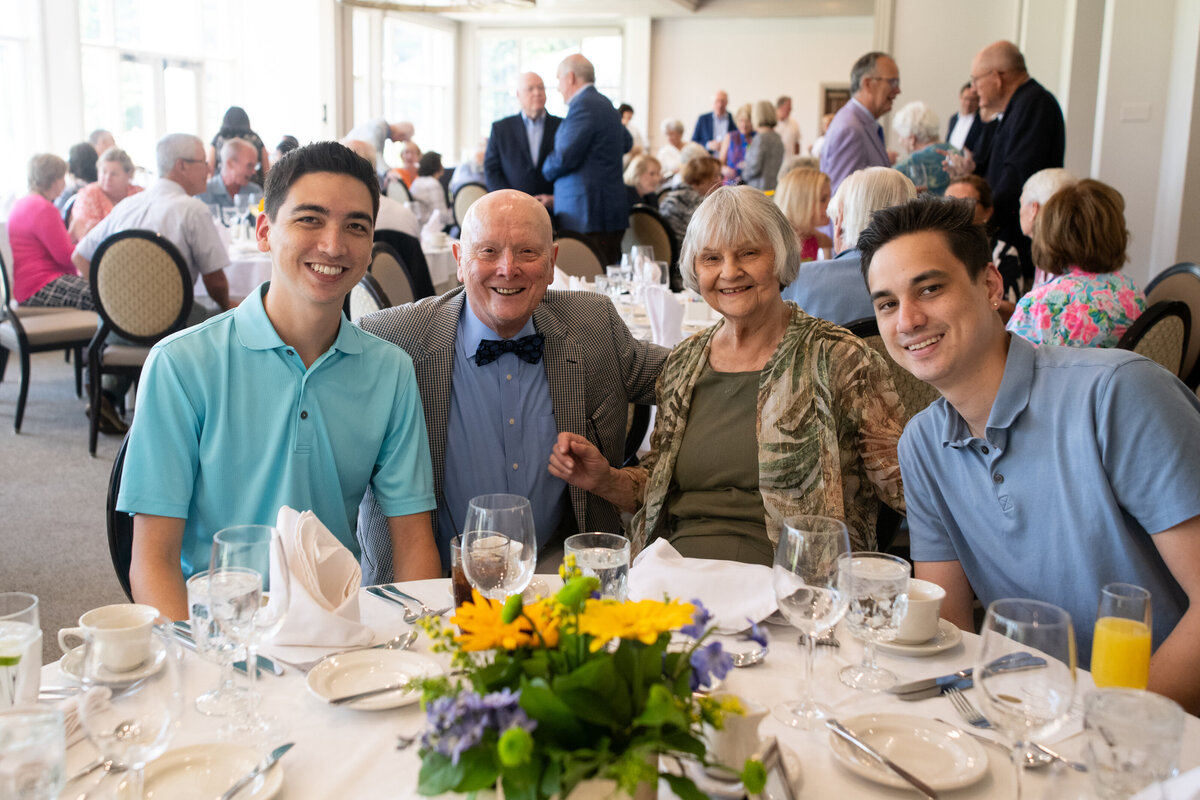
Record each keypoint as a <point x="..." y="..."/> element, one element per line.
<point x="569" y="689"/>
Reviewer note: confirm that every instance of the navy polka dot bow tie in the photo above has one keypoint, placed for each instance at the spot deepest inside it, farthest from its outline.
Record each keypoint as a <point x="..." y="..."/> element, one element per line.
<point x="527" y="348"/>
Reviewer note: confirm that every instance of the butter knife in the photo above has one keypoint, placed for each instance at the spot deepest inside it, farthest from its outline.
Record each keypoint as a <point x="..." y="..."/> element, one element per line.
<point x="840" y="730"/>
<point x="931" y="687"/>
<point x="262" y="767"/>
<point x="350" y="698"/>
<point x="183" y="632"/>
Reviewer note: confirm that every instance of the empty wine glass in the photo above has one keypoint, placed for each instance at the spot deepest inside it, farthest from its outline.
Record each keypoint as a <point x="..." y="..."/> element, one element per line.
<point x="498" y="545"/>
<point x="132" y="726"/>
<point x="878" y="603"/>
<point x="812" y="585"/>
<point x="213" y="645"/>
<point x="248" y="561"/>
<point x="1026" y="705"/>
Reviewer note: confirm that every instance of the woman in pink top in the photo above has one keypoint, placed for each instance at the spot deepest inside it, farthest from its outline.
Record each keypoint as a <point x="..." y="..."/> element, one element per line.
<point x="96" y="200"/>
<point x="43" y="274"/>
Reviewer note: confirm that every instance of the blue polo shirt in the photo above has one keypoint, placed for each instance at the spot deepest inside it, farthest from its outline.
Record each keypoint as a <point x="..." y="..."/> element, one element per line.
<point x="1089" y="451"/>
<point x="230" y="426"/>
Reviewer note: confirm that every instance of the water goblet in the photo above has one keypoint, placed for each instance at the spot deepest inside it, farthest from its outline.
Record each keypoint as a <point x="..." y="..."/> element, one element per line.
<point x="1023" y="705"/>
<point x="604" y="556"/>
<point x="213" y="645"/>
<point x="498" y="545"/>
<point x="878" y="603"/>
<point x="33" y="753"/>
<point x="20" y="649"/>
<point x="1121" y="638"/>
<point x="812" y="579"/>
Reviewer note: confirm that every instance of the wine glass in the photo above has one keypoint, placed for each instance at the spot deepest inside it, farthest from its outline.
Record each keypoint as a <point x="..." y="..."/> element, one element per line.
<point x="812" y="585"/>
<point x="498" y="544"/>
<point x="1121" y="638"/>
<point x="132" y="726"/>
<point x="241" y="204"/>
<point x="213" y="645"/>
<point x="878" y="603"/>
<point x="1026" y="705"/>
<point x="248" y="561"/>
<point x="33" y="753"/>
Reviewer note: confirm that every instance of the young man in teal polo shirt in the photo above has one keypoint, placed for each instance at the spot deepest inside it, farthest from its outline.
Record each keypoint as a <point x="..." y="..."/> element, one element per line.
<point x="281" y="400"/>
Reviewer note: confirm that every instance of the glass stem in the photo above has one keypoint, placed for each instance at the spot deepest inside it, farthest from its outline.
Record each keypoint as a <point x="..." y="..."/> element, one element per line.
<point x="251" y="673"/>
<point x="868" y="659"/>
<point x="806" y="689"/>
<point x="226" y="687"/>
<point x="132" y="785"/>
<point x="1018" y="762"/>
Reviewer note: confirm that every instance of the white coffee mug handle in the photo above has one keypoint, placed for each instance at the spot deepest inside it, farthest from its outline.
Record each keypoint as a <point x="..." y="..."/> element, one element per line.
<point x="67" y="632"/>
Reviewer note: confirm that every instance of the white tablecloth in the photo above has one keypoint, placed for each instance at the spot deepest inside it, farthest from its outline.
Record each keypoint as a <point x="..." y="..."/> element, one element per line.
<point x="345" y="753"/>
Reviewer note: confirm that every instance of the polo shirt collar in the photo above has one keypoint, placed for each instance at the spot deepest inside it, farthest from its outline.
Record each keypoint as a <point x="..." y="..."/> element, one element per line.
<point x="255" y="331"/>
<point x="1011" y="399"/>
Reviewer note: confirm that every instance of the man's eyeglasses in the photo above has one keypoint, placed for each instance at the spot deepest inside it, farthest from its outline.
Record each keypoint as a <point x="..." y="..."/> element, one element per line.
<point x="975" y="79"/>
<point x="893" y="82"/>
<point x="192" y="160"/>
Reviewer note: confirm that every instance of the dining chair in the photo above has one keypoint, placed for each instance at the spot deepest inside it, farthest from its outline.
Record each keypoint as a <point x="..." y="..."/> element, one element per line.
<point x="68" y="208"/>
<point x="391" y="274"/>
<point x="577" y="257"/>
<point x="120" y="524"/>
<point x="33" y="329"/>
<point x="407" y="249"/>
<point x="143" y="291"/>
<point x="1161" y="334"/>
<point x="1182" y="282"/>
<point x="464" y="197"/>
<point x="366" y="297"/>
<point x="646" y="227"/>
<point x="398" y="191"/>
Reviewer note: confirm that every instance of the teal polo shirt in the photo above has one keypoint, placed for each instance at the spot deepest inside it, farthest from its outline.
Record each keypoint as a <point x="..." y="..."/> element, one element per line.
<point x="230" y="426"/>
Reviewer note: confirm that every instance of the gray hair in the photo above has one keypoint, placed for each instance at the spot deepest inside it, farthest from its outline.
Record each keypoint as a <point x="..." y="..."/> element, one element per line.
<point x="763" y="114"/>
<point x="672" y="125"/>
<point x="580" y="67"/>
<point x="173" y="147"/>
<point x="44" y="170"/>
<point x="691" y="150"/>
<point x="1043" y="184"/>
<point x="864" y="67"/>
<point x="231" y="146"/>
<point x="117" y="156"/>
<point x="363" y="149"/>
<point x="732" y="215"/>
<point x="919" y="120"/>
<point x="865" y="192"/>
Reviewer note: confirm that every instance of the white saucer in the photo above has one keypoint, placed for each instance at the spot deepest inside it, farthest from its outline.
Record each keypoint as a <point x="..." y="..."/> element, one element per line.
<point x="362" y="670"/>
<point x="948" y="635"/>
<point x="71" y="666"/>
<point x="207" y="770"/>
<point x="935" y="752"/>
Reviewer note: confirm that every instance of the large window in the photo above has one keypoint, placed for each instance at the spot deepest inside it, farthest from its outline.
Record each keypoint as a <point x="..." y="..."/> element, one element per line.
<point x="16" y="36"/>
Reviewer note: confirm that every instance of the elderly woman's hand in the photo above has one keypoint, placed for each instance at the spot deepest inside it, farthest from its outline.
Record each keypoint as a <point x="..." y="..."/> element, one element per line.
<point x="578" y="462"/>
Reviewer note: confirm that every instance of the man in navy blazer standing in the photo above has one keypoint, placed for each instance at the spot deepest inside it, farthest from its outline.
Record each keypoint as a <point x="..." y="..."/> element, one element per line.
<point x="518" y="145"/>
<point x="589" y="193"/>
<point x="711" y="127"/>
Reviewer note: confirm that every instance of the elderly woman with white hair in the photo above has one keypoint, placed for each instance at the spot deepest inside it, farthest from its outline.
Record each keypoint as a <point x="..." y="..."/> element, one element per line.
<point x="670" y="155"/>
<point x="834" y="289"/>
<point x="803" y="413"/>
<point x="917" y="127"/>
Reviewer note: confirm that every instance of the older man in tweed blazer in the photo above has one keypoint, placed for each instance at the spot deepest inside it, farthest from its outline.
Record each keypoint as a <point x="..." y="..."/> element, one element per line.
<point x="590" y="367"/>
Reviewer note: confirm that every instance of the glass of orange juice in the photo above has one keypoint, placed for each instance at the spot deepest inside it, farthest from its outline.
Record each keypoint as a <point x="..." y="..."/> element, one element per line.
<point x="1121" y="639"/>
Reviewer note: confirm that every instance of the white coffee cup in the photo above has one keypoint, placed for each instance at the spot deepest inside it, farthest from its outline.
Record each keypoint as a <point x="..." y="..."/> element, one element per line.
<point x="121" y="631"/>
<point x="924" y="609"/>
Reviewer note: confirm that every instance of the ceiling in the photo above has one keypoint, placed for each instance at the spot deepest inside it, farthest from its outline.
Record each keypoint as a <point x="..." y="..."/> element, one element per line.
<point x="476" y="10"/>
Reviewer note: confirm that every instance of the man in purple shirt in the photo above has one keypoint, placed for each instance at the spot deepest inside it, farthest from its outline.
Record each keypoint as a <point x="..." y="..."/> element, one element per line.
<point x="855" y="139"/>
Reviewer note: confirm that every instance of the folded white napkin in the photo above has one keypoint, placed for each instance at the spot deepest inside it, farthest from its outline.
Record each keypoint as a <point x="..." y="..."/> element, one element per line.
<point x="72" y="728"/>
<point x="562" y="281"/>
<point x="1185" y="786"/>
<point x="731" y="591"/>
<point x="325" y="579"/>
<point x="577" y="284"/>
<point x="666" y="316"/>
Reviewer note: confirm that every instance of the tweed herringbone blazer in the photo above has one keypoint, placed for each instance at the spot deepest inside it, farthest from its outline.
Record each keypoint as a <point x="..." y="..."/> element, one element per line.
<point x="594" y="367"/>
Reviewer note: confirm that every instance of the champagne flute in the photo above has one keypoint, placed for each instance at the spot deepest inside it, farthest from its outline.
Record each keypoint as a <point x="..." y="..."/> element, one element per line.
<point x="498" y="545"/>
<point x="1026" y="705"/>
<point x="248" y="560"/>
<point x="878" y="603"/>
<point x="1121" y="638"/>
<point x="132" y="727"/>
<point x="812" y="584"/>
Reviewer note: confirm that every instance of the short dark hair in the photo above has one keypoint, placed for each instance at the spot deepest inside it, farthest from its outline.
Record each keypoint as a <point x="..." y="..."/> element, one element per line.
<point x="81" y="162"/>
<point x="430" y="164"/>
<point x="287" y="144"/>
<point x="953" y="219"/>
<point x="863" y="67"/>
<point x="621" y="109"/>
<point x="981" y="186"/>
<point x="317" y="157"/>
<point x="1082" y="225"/>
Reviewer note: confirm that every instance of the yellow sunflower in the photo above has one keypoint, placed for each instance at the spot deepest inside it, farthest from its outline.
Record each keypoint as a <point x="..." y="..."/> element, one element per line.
<point x="644" y="620"/>
<point x="482" y="629"/>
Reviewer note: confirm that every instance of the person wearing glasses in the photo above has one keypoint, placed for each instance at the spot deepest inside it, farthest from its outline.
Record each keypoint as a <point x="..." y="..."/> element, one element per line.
<point x="855" y="140"/>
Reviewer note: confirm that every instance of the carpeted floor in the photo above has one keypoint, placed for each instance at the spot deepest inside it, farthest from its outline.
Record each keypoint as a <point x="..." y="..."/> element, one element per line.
<point x="52" y="531"/>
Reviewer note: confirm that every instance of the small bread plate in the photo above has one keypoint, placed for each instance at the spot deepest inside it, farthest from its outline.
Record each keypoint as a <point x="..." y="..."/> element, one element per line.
<point x="71" y="666"/>
<point x="948" y="635"/>
<point x="938" y="754"/>
<point x="207" y="770"/>
<point x="363" y="670"/>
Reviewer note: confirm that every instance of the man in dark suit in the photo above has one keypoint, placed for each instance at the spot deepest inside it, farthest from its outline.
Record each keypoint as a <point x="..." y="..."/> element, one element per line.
<point x="503" y="366"/>
<point x="518" y="145"/>
<point x="965" y="125"/>
<point x="711" y="127"/>
<point x="586" y="165"/>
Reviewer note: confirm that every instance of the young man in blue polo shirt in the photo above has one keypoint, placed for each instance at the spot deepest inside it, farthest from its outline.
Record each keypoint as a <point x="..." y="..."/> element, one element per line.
<point x="1042" y="472"/>
<point x="281" y="400"/>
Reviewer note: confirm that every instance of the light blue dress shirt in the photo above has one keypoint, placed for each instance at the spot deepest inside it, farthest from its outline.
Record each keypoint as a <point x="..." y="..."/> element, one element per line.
<point x="534" y="129"/>
<point x="499" y="434"/>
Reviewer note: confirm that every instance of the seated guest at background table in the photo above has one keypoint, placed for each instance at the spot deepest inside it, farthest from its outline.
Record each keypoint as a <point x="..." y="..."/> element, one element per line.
<point x="518" y="145"/>
<point x="700" y="176"/>
<point x="281" y="401"/>
<point x="1036" y="192"/>
<point x="427" y="190"/>
<point x="833" y="289"/>
<point x="1080" y="238"/>
<point x="669" y="155"/>
<point x="764" y="156"/>
<point x="239" y="160"/>
<point x="410" y="156"/>
<point x="236" y="125"/>
<point x="1004" y="255"/>
<point x="803" y="197"/>
<point x="43" y="274"/>
<point x="504" y="366"/>
<point x="917" y="127"/>
<point x="393" y="215"/>
<point x="470" y="167"/>
<point x="1042" y="472"/>
<point x="643" y="178"/>
<point x="689" y="151"/>
<point x="733" y="146"/>
<point x="802" y="413"/>
<point x="81" y="171"/>
<point x="96" y="200"/>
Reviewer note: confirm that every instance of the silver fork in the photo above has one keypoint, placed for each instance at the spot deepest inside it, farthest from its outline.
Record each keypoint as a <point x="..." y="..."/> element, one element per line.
<point x="426" y="611"/>
<point x="410" y="616"/>
<point x="966" y="709"/>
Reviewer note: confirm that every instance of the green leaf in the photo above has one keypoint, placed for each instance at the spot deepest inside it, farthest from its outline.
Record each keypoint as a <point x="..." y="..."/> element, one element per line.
<point x="660" y="709"/>
<point x="438" y="775"/>
<point x="555" y="719"/>
<point x="754" y="776"/>
<point x="479" y="770"/>
<point x="521" y="783"/>
<point x="596" y="694"/>
<point x="683" y="787"/>
<point x="683" y="742"/>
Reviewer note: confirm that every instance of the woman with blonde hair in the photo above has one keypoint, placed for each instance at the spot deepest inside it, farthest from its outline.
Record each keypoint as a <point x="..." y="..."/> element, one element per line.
<point x="96" y="200"/>
<point x="733" y="146"/>
<point x="642" y="180"/>
<point x="803" y="197"/>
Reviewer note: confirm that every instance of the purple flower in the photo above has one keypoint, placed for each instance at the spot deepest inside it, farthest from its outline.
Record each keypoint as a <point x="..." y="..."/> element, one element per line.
<point x="458" y="723"/>
<point x="709" y="662"/>
<point x="700" y="620"/>
<point x="756" y="634"/>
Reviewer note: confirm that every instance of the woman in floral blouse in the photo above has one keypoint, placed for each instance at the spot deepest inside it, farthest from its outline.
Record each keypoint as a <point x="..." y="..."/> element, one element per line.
<point x="1080" y="239"/>
<point x="768" y="414"/>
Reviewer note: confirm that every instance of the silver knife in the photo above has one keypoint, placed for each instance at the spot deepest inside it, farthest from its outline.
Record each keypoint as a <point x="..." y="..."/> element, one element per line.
<point x="931" y="687"/>
<point x="262" y="767"/>
<point x="183" y="632"/>
<point x="350" y="698"/>
<point x="840" y="730"/>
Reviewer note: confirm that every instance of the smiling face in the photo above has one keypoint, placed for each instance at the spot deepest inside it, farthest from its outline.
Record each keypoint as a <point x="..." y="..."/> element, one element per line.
<point x="113" y="180"/>
<point x="506" y="259"/>
<point x="239" y="168"/>
<point x="738" y="281"/>
<point x="531" y="94"/>
<point x="881" y="87"/>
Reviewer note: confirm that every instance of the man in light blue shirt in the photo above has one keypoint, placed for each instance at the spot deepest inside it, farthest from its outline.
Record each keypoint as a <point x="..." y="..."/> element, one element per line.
<point x="281" y="400"/>
<point x="1043" y="473"/>
<point x="239" y="162"/>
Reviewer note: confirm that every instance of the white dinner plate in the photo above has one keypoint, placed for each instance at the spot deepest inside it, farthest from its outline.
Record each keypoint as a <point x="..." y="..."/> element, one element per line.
<point x="948" y="635"/>
<point x="206" y="771"/>
<point x="362" y="670"/>
<point x="71" y="666"/>
<point x="938" y="754"/>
